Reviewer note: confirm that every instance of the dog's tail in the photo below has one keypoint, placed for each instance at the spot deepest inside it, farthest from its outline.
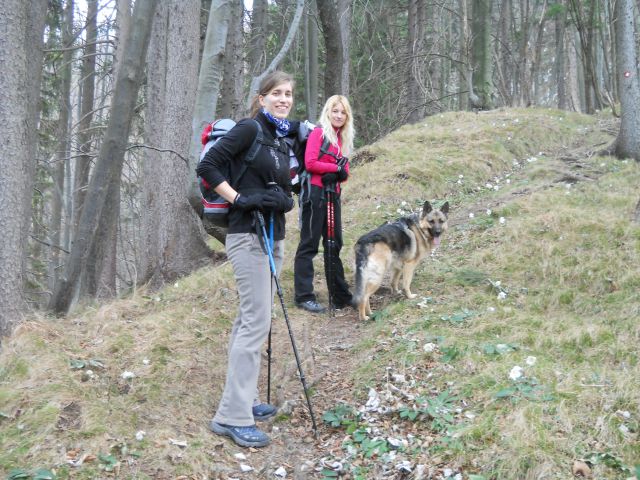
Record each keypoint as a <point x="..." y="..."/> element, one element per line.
<point x="362" y="254"/>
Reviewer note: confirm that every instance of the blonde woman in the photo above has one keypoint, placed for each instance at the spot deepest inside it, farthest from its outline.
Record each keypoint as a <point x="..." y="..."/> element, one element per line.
<point x="326" y="159"/>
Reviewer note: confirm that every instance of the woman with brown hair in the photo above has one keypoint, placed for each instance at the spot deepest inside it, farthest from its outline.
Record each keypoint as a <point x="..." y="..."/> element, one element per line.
<point x="264" y="186"/>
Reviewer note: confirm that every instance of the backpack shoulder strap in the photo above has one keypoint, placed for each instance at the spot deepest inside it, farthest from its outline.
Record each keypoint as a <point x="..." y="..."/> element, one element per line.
<point x="324" y="148"/>
<point x="250" y="154"/>
<point x="255" y="146"/>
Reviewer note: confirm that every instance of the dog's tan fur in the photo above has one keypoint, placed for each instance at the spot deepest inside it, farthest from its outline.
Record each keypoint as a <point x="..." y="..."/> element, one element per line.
<point x="398" y="247"/>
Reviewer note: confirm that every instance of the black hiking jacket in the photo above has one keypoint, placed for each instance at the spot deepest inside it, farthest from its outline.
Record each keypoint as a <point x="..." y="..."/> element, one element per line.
<point x="271" y="164"/>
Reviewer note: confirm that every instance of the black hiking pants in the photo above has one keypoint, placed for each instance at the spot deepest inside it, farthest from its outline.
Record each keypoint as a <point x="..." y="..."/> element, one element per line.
<point x="313" y="226"/>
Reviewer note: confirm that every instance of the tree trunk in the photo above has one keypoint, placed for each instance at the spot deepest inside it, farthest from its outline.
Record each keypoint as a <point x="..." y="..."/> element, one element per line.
<point x="537" y="54"/>
<point x="330" y="20"/>
<point x="99" y="279"/>
<point x="123" y="29"/>
<point x="83" y="161"/>
<point x="559" y="67"/>
<point x="257" y="56"/>
<point x="231" y="89"/>
<point x="62" y="153"/>
<point x="414" y="97"/>
<point x="22" y="27"/>
<point x="344" y="13"/>
<point x="311" y="62"/>
<point x="465" y="57"/>
<point x="574" y="75"/>
<point x="293" y="28"/>
<point x="481" y="34"/>
<point x="628" y="141"/>
<point x="100" y="273"/>
<point x="85" y="137"/>
<point x="209" y="80"/>
<point x="172" y="238"/>
<point x="111" y="156"/>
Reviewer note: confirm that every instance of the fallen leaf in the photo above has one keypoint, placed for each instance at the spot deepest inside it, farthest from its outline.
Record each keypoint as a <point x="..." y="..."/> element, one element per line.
<point x="581" y="469"/>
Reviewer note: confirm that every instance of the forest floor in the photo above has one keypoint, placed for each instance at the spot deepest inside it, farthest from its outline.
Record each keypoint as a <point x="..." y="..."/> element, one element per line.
<point x="506" y="366"/>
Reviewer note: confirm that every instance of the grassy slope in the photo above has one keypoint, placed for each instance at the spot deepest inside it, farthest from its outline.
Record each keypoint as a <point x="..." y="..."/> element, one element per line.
<point x="566" y="256"/>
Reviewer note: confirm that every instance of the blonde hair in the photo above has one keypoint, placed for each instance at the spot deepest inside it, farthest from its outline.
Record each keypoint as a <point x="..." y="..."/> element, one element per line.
<point x="267" y="84"/>
<point x="346" y="132"/>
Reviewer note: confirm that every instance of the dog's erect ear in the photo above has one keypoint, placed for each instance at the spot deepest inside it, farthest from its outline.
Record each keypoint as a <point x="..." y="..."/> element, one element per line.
<point x="426" y="208"/>
<point x="445" y="208"/>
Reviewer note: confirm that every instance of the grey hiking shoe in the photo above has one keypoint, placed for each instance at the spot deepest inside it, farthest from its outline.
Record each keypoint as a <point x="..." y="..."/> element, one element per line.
<point x="311" y="306"/>
<point x="250" y="436"/>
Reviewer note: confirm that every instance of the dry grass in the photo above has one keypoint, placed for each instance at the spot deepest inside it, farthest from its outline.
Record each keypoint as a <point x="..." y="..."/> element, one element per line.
<point x="566" y="257"/>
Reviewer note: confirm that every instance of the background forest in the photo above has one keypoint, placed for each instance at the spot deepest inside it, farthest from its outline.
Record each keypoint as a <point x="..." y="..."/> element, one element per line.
<point x="103" y="103"/>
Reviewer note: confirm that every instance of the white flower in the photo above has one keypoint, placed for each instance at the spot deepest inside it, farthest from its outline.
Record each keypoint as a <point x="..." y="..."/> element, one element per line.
<point x="429" y="347"/>
<point x="508" y="180"/>
<point x="471" y="215"/>
<point x="404" y="466"/>
<point x="489" y="186"/>
<point x="145" y="361"/>
<point x="531" y="360"/>
<point x="497" y="283"/>
<point x="488" y="211"/>
<point x="374" y="401"/>
<point x="127" y="375"/>
<point x="403" y="203"/>
<point x="394" y="442"/>
<point x="516" y="372"/>
<point x="140" y="435"/>
<point x="502" y="295"/>
<point x="460" y="176"/>
<point x="502" y="220"/>
<point x="491" y="309"/>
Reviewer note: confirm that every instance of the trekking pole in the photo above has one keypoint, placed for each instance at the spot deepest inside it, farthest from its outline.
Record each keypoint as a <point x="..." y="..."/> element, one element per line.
<point x="272" y="264"/>
<point x="269" y="247"/>
<point x="330" y="245"/>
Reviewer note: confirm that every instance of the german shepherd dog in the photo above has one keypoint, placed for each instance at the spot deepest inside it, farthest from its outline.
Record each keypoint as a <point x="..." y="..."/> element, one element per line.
<point x="398" y="246"/>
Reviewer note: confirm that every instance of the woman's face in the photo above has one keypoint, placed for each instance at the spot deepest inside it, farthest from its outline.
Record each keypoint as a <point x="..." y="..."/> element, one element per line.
<point x="338" y="115"/>
<point x="279" y="100"/>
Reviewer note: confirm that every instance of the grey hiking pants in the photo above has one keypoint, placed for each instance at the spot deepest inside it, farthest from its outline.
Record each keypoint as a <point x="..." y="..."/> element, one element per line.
<point x="250" y="328"/>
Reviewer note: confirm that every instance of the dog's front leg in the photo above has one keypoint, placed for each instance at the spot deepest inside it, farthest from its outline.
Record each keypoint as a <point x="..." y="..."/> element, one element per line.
<point x="407" y="276"/>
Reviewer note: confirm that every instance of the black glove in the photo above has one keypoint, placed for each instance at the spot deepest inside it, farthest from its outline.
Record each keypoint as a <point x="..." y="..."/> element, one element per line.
<point x="342" y="174"/>
<point x="329" y="178"/>
<point x="251" y="201"/>
<point x="278" y="200"/>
